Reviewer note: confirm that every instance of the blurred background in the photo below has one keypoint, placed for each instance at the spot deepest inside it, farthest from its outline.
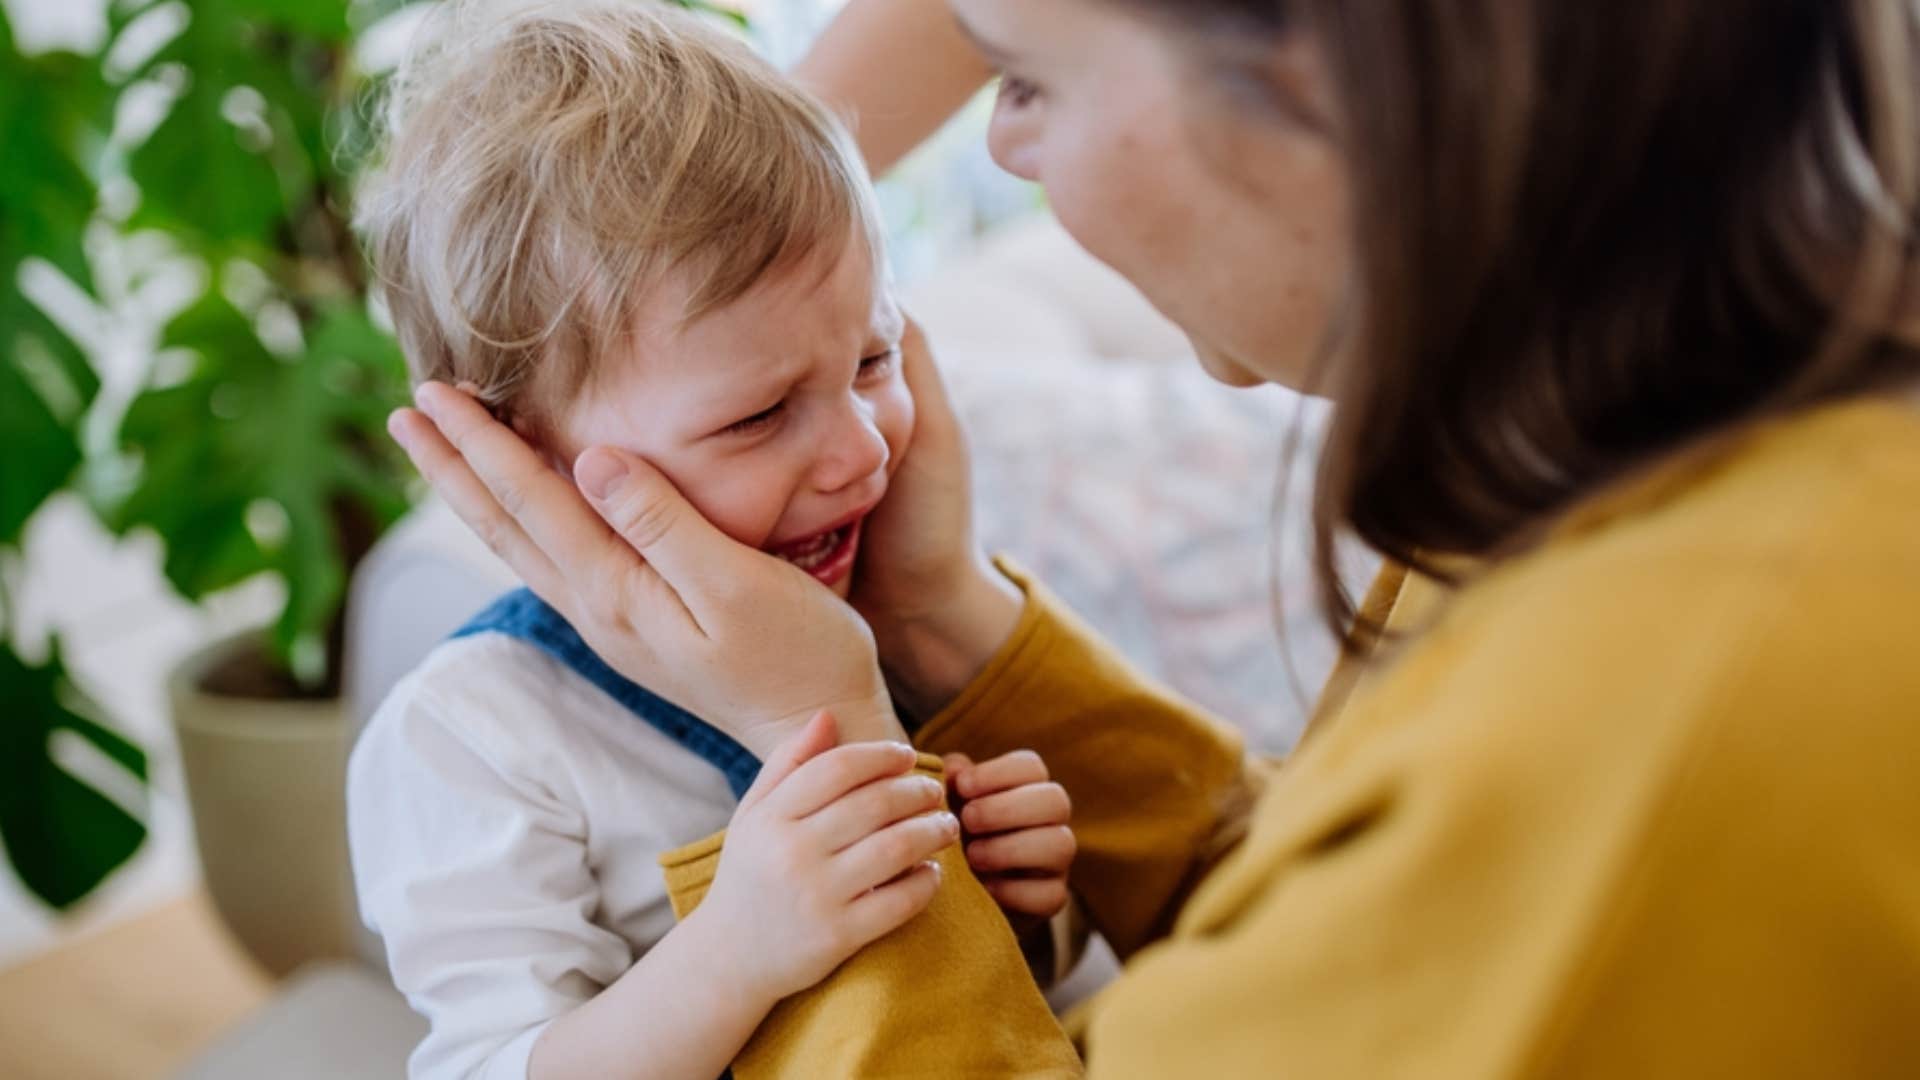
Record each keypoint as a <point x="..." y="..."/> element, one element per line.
<point x="213" y="562"/>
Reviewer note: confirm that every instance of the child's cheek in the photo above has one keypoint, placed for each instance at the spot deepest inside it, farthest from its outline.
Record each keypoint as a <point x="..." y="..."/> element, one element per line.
<point x="896" y="415"/>
<point x="735" y="496"/>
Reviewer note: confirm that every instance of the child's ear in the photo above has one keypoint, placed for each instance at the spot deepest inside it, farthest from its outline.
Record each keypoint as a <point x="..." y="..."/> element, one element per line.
<point x="536" y="439"/>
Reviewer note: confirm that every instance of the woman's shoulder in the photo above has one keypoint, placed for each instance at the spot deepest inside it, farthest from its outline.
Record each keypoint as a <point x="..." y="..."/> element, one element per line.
<point x="1774" y="591"/>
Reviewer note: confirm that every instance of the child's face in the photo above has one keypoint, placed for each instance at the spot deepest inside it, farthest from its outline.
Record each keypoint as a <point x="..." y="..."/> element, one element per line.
<point x="781" y="416"/>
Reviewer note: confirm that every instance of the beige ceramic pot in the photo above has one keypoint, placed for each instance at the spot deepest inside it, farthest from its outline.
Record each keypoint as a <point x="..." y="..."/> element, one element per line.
<point x="266" y="782"/>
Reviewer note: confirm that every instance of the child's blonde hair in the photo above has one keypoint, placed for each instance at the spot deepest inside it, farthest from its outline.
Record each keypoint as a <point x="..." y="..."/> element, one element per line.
<point x="546" y="164"/>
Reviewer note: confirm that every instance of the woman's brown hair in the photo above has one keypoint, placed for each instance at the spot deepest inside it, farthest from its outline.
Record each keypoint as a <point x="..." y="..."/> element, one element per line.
<point x="1590" y="235"/>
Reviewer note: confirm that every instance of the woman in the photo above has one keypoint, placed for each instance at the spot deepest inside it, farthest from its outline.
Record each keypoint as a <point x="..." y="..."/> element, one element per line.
<point x="1617" y="304"/>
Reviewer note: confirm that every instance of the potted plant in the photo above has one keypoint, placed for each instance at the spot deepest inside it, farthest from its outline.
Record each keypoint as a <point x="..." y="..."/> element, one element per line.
<point x="254" y="447"/>
<point x="229" y="133"/>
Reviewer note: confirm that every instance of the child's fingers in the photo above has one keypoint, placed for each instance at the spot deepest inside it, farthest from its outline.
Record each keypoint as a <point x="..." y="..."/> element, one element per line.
<point x="893" y="851"/>
<point x="1049" y="849"/>
<point x="1042" y="897"/>
<point x="999" y="774"/>
<point x="826" y="778"/>
<point x="955" y="764"/>
<point x="1025" y="807"/>
<point x="885" y="909"/>
<point x="818" y="737"/>
<point x="867" y="809"/>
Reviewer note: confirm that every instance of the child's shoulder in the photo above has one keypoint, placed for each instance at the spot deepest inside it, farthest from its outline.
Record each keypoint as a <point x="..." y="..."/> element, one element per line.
<point x="487" y="671"/>
<point x="499" y="695"/>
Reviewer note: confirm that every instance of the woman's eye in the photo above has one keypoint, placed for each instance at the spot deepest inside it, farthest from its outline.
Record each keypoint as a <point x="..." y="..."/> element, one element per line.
<point x="879" y="365"/>
<point x="757" y="422"/>
<point x="1016" y="92"/>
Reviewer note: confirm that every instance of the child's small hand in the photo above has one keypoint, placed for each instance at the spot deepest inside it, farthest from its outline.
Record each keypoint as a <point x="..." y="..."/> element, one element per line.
<point x="1017" y="836"/>
<point x="830" y="849"/>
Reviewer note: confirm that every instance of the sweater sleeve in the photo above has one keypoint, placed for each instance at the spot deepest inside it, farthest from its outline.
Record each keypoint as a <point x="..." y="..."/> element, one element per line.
<point x="1161" y="792"/>
<point x="948" y="994"/>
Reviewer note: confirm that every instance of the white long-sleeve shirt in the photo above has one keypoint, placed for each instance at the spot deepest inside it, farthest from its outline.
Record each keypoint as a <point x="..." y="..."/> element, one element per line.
<point x="505" y="816"/>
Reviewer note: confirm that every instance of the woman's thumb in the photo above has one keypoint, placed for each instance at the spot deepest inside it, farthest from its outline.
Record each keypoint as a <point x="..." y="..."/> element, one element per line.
<point x="820" y="735"/>
<point x="648" y="511"/>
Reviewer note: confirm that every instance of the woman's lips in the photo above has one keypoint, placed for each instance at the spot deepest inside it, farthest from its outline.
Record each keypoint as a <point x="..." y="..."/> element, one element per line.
<point x="827" y="556"/>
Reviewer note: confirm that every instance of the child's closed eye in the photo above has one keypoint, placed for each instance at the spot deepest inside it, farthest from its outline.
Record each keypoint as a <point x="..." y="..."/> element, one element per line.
<point x="879" y="365"/>
<point x="756" y="423"/>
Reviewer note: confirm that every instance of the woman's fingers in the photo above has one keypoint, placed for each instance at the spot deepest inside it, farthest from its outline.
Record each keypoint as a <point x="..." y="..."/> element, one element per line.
<point x="893" y="851"/>
<point x="880" y="911"/>
<point x="1001" y="773"/>
<point x="1048" y="850"/>
<point x="463" y="491"/>
<point x="829" y="777"/>
<point x="523" y="487"/>
<point x="867" y="809"/>
<point x="932" y="404"/>
<point x="1022" y="808"/>
<point x="699" y="563"/>
<point x="1040" y="897"/>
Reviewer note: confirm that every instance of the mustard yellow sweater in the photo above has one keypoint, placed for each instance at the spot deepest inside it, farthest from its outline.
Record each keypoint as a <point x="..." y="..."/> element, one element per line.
<point x="1642" y="803"/>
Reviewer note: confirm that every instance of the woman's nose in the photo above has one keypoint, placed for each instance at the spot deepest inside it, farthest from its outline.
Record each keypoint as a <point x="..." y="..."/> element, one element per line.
<point x="1013" y="140"/>
<point x="855" y="451"/>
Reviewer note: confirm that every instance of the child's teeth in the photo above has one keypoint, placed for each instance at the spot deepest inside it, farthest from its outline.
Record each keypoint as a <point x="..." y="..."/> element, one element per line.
<point x="816" y="552"/>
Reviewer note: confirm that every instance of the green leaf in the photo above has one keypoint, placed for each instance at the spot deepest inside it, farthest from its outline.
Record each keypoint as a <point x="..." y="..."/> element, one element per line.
<point x="37" y="452"/>
<point x="722" y="11"/>
<point x="303" y="435"/>
<point x="54" y="112"/>
<point x="62" y="837"/>
<point x="194" y="171"/>
<point x="54" y="109"/>
<point x="325" y="19"/>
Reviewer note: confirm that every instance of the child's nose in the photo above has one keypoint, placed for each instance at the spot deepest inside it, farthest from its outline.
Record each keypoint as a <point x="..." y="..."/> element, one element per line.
<point x="856" y="451"/>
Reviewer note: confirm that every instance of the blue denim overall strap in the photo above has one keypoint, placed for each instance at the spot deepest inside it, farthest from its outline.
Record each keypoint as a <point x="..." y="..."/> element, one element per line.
<point x="524" y="616"/>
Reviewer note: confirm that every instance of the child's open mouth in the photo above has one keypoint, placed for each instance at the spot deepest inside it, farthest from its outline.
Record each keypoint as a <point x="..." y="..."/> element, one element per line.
<point x="828" y="556"/>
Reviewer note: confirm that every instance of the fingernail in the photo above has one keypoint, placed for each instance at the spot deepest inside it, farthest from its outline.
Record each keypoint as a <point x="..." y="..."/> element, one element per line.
<point x="423" y="396"/>
<point x="599" y="474"/>
<point x="950" y="824"/>
<point x="398" y="430"/>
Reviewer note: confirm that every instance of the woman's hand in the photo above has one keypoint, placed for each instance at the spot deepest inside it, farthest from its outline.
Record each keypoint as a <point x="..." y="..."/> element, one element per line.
<point x="830" y="849"/>
<point x="937" y="607"/>
<point x="734" y="635"/>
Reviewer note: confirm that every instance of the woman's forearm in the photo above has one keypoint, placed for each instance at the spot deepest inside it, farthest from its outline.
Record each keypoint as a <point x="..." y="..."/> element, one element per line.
<point x="1161" y="792"/>
<point x="681" y="1013"/>
<point x="898" y="68"/>
<point x="932" y="656"/>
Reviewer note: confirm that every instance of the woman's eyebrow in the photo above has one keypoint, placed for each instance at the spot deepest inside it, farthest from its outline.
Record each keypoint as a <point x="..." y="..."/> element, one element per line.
<point x="988" y="49"/>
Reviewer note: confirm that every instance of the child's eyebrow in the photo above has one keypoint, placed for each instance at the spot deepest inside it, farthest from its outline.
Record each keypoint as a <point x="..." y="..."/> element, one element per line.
<point x="753" y="389"/>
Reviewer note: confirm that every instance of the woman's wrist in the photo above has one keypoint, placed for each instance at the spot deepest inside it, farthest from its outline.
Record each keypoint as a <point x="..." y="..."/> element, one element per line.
<point x="931" y="656"/>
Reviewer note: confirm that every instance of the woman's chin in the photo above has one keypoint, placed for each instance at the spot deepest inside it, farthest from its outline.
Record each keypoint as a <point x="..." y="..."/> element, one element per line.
<point x="1224" y="368"/>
